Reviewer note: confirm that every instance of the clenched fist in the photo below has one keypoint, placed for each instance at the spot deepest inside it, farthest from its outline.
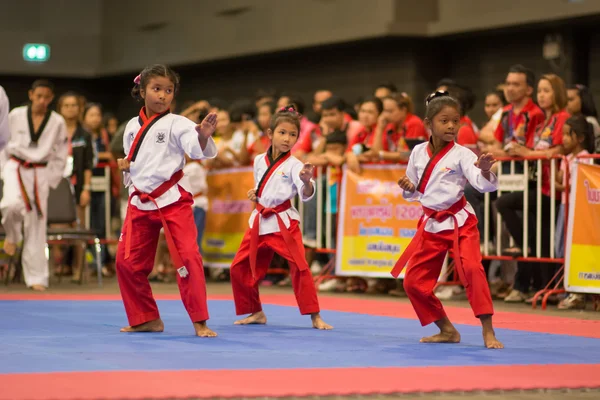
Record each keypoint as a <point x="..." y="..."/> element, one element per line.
<point x="123" y="164"/>
<point x="406" y="184"/>
<point x="252" y="195"/>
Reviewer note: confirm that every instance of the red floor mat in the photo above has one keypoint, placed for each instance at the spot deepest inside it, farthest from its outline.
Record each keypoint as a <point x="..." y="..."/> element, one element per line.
<point x="285" y="383"/>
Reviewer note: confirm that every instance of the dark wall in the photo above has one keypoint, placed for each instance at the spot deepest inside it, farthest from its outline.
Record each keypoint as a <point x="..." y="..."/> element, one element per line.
<point x="354" y="69"/>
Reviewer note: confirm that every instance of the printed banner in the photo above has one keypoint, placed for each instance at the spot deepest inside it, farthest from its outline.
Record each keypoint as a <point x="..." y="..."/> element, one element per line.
<point x="582" y="269"/>
<point x="375" y="223"/>
<point x="228" y="212"/>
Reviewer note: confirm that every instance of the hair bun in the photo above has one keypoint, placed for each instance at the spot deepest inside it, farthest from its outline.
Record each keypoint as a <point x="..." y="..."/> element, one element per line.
<point x="439" y="93"/>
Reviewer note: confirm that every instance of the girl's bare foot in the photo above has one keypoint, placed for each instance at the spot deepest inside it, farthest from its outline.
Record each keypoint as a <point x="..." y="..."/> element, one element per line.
<point x="490" y="341"/>
<point x="318" y="322"/>
<point x="448" y="333"/>
<point x="38" y="288"/>
<point x="203" y="331"/>
<point x="256" y="318"/>
<point x="489" y="336"/>
<point x="150" y="326"/>
<point x="10" y="248"/>
<point x="443" y="337"/>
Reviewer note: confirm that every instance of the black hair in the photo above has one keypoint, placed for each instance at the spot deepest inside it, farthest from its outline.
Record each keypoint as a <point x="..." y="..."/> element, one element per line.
<point x="389" y="86"/>
<point x="203" y="114"/>
<point x="375" y="100"/>
<point x="62" y="98"/>
<point x="241" y="110"/>
<point x="271" y="104"/>
<point x="583" y="130"/>
<point x="295" y="100"/>
<point x="334" y="102"/>
<point x="437" y="101"/>
<point x="337" y="137"/>
<point x="89" y="106"/>
<point x="529" y="75"/>
<point x="107" y="116"/>
<point x="42" y="83"/>
<point x="218" y="103"/>
<point x="462" y="93"/>
<point x="461" y="96"/>
<point x="445" y="82"/>
<point x="265" y="93"/>
<point x="499" y="93"/>
<point x="150" y="72"/>
<point x="588" y="106"/>
<point x="286" y="114"/>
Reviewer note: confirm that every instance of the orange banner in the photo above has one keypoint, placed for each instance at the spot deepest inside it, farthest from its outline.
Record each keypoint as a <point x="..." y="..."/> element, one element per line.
<point x="376" y="224"/>
<point x="227" y="217"/>
<point x="582" y="269"/>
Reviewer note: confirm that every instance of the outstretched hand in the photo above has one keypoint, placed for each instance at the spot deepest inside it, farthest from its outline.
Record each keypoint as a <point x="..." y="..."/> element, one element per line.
<point x="406" y="184"/>
<point x="485" y="162"/>
<point x="306" y="173"/>
<point x="207" y="127"/>
<point x="123" y="164"/>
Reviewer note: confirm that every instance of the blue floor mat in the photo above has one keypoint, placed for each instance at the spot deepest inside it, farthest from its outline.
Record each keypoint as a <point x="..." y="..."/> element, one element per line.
<point x="53" y="336"/>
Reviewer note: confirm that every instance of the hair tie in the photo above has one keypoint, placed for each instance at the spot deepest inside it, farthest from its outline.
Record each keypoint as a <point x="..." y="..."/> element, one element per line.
<point x="439" y="93"/>
<point x="138" y="79"/>
<point x="289" y="109"/>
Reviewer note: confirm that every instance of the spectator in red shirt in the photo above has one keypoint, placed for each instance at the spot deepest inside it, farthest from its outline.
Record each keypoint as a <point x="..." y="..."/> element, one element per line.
<point x="261" y="143"/>
<point x="359" y="145"/>
<point x="466" y="134"/>
<point x="547" y="142"/>
<point x="396" y="127"/>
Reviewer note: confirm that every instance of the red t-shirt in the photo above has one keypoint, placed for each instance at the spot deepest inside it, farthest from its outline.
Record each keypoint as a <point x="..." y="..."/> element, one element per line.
<point x="466" y="134"/>
<point x="265" y="141"/>
<point x="547" y="135"/>
<point x="519" y="128"/>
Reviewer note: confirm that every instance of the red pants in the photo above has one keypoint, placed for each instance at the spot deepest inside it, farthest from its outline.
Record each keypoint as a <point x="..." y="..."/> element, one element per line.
<point x="133" y="273"/>
<point x="425" y="266"/>
<point x="245" y="288"/>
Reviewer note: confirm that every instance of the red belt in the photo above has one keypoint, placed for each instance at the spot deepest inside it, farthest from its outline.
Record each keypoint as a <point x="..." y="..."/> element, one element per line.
<point x="292" y="246"/>
<point x="145" y="198"/>
<point x="29" y="165"/>
<point x="439" y="216"/>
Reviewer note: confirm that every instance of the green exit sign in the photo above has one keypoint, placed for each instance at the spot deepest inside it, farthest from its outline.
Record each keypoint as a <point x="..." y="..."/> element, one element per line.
<point x="36" y="52"/>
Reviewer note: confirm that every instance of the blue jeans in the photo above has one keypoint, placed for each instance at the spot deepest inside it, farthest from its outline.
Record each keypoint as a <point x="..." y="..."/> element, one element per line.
<point x="200" y="220"/>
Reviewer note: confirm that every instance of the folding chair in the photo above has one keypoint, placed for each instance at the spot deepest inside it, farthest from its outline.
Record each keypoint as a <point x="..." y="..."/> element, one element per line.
<point x="62" y="209"/>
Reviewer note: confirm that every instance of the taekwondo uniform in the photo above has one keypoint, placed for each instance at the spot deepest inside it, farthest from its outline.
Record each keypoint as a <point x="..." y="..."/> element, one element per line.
<point x="274" y="227"/>
<point x="160" y="197"/>
<point x="32" y="163"/>
<point x="448" y="222"/>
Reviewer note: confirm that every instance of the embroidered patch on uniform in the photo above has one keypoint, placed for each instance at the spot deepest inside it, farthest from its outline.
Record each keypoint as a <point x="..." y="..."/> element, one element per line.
<point x="448" y="170"/>
<point x="183" y="272"/>
<point x="160" y="137"/>
<point x="283" y="175"/>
